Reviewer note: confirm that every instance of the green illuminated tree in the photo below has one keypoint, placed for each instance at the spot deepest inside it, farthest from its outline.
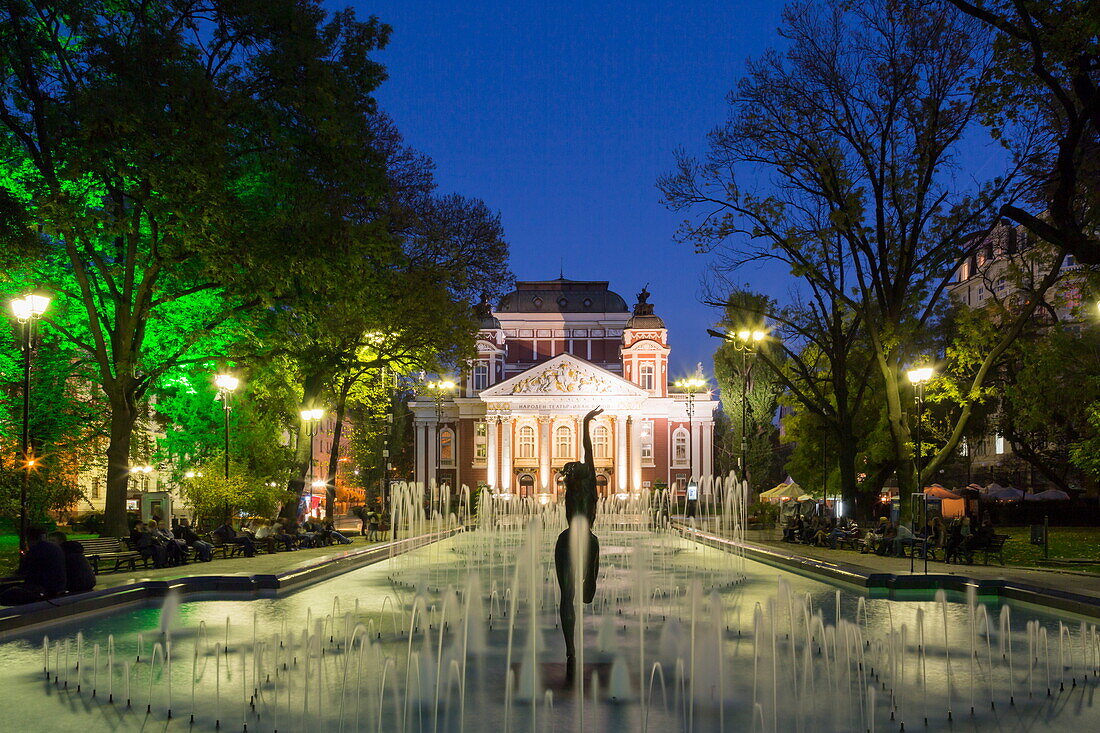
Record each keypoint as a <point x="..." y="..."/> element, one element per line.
<point x="178" y="162"/>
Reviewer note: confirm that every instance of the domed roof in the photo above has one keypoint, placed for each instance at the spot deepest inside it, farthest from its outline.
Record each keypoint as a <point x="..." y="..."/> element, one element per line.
<point x="644" y="317"/>
<point x="562" y="296"/>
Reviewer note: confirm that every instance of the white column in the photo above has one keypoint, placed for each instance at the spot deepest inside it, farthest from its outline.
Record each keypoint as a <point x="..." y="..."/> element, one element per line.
<point x="635" y="455"/>
<point x="421" y="448"/>
<point x="708" y="448"/>
<point x="620" y="454"/>
<point x="506" y="454"/>
<point x="544" y="453"/>
<point x="491" y="427"/>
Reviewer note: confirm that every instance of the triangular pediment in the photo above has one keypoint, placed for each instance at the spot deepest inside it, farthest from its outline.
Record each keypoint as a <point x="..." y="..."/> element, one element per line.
<point x="564" y="375"/>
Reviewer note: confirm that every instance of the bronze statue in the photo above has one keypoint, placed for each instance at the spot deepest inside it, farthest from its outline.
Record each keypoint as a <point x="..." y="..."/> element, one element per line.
<point x="580" y="501"/>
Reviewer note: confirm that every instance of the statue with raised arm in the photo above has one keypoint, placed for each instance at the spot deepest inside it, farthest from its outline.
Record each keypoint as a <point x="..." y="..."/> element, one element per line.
<point x="580" y="503"/>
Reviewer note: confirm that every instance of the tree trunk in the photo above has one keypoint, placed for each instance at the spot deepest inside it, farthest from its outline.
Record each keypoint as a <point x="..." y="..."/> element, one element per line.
<point x="115" y="523"/>
<point x="334" y="454"/>
<point x="846" y="465"/>
<point x="311" y="392"/>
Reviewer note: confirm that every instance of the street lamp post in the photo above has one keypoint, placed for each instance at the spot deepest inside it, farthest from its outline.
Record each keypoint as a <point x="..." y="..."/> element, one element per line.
<point x="28" y="310"/>
<point x="439" y="390"/>
<point x="312" y="418"/>
<point x="691" y="387"/>
<point x="918" y="378"/>
<point x="226" y="384"/>
<point x="746" y="342"/>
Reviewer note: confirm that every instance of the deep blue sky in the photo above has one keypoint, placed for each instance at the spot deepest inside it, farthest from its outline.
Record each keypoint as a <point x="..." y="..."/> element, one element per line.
<point x="561" y="116"/>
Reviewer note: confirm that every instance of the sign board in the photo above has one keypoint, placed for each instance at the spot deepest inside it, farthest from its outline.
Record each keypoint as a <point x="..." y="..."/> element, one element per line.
<point x="693" y="491"/>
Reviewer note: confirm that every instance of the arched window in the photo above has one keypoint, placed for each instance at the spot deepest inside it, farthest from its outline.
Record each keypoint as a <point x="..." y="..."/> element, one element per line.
<point x="447" y="447"/>
<point x="646" y="376"/>
<point x="481" y="376"/>
<point x="526" y="448"/>
<point x="680" y="447"/>
<point x="601" y="484"/>
<point x="563" y="442"/>
<point x="601" y="442"/>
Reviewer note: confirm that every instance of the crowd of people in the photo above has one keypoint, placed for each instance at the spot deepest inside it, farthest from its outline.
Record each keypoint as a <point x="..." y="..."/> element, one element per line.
<point x="166" y="548"/>
<point x="956" y="538"/>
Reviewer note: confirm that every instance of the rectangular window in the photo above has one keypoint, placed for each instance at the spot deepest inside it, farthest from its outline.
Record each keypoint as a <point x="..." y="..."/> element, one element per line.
<point x="999" y="444"/>
<point x="646" y="376"/>
<point x="481" y="442"/>
<point x="645" y="435"/>
<point x="481" y="376"/>
<point x="95" y="488"/>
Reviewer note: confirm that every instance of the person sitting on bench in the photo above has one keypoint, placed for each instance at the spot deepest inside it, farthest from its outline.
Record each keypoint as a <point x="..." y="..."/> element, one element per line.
<point x="41" y="571"/>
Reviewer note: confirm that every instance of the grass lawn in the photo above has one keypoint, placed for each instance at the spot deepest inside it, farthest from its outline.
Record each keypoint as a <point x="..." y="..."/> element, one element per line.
<point x="9" y="550"/>
<point x="1071" y="543"/>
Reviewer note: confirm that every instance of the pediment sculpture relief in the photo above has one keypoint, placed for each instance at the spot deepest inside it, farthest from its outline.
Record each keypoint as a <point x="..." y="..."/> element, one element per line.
<point x="565" y="379"/>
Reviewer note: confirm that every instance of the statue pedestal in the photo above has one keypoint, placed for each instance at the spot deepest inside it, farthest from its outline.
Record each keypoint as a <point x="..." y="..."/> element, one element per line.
<point x="554" y="677"/>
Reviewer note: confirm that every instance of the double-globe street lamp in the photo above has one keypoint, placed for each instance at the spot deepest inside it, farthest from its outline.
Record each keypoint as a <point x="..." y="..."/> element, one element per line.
<point x="226" y="384"/>
<point x="312" y="418"/>
<point x="918" y="378"/>
<point x="28" y="310"/>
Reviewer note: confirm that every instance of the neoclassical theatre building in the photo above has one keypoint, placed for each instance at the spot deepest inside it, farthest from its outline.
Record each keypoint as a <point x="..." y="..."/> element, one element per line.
<point x="551" y="351"/>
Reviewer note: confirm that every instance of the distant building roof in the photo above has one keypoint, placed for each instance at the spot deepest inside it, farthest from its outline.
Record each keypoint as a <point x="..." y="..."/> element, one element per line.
<point x="562" y="296"/>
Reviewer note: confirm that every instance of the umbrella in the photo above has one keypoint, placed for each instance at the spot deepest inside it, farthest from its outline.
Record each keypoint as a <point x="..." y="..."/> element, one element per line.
<point x="1048" y="495"/>
<point x="770" y="493"/>
<point x="938" y="492"/>
<point x="1004" y="493"/>
<point x="790" y="491"/>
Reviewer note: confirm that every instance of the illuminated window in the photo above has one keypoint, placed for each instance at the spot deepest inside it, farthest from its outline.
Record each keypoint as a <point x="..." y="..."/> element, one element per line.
<point x="481" y="442"/>
<point x="646" y="376"/>
<point x="563" y="442"/>
<point x="999" y="444"/>
<point x="526" y="448"/>
<point x="601" y="442"/>
<point x="680" y="447"/>
<point x="447" y="447"/>
<point x="646" y="440"/>
<point x="481" y="376"/>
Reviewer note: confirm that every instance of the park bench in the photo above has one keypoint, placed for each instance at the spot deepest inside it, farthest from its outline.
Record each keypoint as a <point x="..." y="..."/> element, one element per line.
<point x="107" y="549"/>
<point x="996" y="547"/>
<point x="227" y="550"/>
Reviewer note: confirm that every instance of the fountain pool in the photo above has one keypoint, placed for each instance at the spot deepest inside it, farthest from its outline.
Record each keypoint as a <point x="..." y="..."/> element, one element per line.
<point x="462" y="635"/>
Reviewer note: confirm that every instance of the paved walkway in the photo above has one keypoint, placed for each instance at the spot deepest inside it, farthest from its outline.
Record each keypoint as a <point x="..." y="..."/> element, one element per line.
<point x="261" y="564"/>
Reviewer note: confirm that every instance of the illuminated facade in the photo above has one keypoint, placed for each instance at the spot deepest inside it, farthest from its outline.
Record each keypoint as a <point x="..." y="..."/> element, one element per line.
<point x="550" y="352"/>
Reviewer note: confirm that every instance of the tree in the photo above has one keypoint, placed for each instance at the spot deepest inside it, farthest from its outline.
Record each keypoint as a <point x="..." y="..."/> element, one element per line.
<point x="170" y="155"/>
<point x="213" y="498"/>
<point x="1042" y="100"/>
<point x="737" y="373"/>
<point x="855" y="131"/>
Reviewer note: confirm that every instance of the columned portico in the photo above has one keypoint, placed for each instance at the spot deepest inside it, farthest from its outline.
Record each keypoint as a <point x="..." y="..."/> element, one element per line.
<point x="620" y="453"/>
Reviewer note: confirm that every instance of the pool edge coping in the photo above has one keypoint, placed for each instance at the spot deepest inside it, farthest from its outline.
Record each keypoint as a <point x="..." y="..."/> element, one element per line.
<point x="17" y="620"/>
